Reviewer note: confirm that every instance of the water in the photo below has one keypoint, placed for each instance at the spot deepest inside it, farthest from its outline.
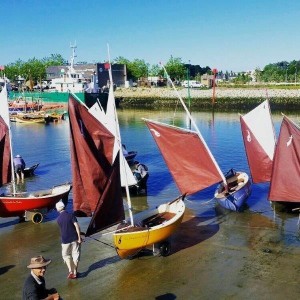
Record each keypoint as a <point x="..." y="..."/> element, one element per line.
<point x="49" y="145"/>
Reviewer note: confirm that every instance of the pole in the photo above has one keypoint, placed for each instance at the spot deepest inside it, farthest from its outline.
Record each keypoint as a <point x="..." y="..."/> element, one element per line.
<point x="214" y="86"/>
<point x="111" y="89"/>
<point x="189" y="94"/>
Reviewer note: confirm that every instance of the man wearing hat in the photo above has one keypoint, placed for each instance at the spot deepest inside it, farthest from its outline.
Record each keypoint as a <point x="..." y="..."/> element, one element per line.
<point x="35" y="286"/>
<point x="19" y="164"/>
<point x="70" y="239"/>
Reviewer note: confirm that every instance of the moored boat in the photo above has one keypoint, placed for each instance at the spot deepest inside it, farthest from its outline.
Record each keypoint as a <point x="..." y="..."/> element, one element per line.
<point x="97" y="183"/>
<point x="238" y="189"/>
<point x="28" y="203"/>
<point x="17" y="204"/>
<point x="29" y="171"/>
<point x="196" y="169"/>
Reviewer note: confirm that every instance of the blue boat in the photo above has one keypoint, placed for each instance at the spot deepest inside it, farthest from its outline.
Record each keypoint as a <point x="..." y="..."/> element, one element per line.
<point x="235" y="194"/>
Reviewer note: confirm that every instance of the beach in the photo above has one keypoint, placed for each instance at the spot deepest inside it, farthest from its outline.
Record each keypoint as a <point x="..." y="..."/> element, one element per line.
<point x="231" y="256"/>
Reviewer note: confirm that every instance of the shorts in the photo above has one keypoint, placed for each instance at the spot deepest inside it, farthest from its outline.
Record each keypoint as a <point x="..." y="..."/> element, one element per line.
<point x="19" y="168"/>
<point x="71" y="251"/>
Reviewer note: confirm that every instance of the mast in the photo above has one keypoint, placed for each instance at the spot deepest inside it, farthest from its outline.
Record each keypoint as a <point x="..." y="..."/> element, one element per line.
<point x="215" y="71"/>
<point x="5" y="115"/>
<point x="119" y="140"/>
<point x="195" y="126"/>
<point x="73" y="47"/>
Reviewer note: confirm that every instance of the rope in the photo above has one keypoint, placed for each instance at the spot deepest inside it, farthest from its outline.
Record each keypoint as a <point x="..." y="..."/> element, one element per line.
<point x="202" y="203"/>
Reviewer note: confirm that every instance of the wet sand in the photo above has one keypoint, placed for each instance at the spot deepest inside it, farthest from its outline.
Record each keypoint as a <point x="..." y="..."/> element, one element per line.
<point x="225" y="256"/>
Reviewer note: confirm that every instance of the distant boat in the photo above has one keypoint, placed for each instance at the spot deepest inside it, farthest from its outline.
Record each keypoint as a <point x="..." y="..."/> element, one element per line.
<point x="70" y="80"/>
<point x="29" y="171"/>
<point x="13" y="204"/>
<point x="197" y="169"/>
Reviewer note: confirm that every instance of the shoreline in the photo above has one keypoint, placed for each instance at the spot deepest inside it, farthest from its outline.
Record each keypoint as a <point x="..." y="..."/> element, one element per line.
<point x="225" y="98"/>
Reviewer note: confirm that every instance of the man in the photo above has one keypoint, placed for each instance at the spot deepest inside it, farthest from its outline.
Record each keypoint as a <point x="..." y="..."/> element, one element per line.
<point x="19" y="164"/>
<point x="35" y="286"/>
<point x="70" y="239"/>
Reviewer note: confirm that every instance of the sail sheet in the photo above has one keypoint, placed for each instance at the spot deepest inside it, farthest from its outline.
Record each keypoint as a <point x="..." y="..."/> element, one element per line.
<point x="91" y="156"/>
<point x="285" y="181"/>
<point x="106" y="213"/>
<point x="259" y="141"/>
<point x="4" y="153"/>
<point x="187" y="158"/>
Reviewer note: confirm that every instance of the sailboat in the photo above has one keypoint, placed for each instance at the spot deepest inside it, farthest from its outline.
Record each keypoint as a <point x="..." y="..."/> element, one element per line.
<point x="110" y="120"/>
<point x="30" y="205"/>
<point x="284" y="185"/>
<point x="95" y="157"/>
<point x="259" y="140"/>
<point x="197" y="169"/>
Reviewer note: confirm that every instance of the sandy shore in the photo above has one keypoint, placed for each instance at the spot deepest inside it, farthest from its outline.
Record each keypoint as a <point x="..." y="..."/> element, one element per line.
<point x="227" y="256"/>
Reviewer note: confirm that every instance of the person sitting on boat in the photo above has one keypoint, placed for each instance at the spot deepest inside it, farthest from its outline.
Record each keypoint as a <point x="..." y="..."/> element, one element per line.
<point x="19" y="165"/>
<point x="140" y="171"/>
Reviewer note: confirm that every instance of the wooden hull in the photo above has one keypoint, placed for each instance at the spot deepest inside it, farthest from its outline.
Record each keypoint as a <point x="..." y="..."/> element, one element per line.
<point x="27" y="120"/>
<point x="151" y="227"/>
<point x="237" y="195"/>
<point x="16" y="205"/>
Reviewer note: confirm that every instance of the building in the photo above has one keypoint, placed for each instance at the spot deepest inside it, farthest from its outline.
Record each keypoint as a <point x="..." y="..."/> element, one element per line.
<point x="119" y="74"/>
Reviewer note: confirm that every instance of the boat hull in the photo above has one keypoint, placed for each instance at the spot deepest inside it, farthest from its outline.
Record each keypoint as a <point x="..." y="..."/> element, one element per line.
<point x="30" y="170"/>
<point x="131" y="240"/>
<point x="16" y="205"/>
<point x="235" y="198"/>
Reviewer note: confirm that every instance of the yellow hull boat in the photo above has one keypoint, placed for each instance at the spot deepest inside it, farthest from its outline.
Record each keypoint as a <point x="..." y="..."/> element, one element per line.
<point x="151" y="227"/>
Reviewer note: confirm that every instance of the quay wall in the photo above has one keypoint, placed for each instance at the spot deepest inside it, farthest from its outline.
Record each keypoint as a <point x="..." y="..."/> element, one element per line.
<point x="225" y="98"/>
<point x="166" y="97"/>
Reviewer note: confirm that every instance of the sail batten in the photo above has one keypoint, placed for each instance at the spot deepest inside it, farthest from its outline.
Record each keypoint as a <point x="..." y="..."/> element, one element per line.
<point x="192" y="172"/>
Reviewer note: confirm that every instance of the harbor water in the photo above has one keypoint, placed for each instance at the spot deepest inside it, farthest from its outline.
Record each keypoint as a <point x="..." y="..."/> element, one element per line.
<point x="215" y="254"/>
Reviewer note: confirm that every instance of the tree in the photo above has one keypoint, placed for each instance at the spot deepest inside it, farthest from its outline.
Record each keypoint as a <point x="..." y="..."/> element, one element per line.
<point x="175" y="68"/>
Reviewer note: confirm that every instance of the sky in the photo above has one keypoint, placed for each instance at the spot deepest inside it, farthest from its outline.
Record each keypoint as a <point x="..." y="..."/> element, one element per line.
<point x="232" y="35"/>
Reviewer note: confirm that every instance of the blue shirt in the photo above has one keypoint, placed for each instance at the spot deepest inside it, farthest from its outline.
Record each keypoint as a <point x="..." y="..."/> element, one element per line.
<point x="67" y="228"/>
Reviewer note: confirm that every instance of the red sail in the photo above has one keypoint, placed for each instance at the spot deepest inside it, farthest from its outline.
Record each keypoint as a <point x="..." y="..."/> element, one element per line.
<point x="186" y="156"/>
<point x="106" y="212"/>
<point x="91" y="157"/>
<point x="5" y="153"/>
<point x="285" y="181"/>
<point x="259" y="162"/>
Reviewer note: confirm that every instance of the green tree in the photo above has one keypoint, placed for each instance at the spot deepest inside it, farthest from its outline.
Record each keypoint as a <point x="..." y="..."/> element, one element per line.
<point x="175" y="68"/>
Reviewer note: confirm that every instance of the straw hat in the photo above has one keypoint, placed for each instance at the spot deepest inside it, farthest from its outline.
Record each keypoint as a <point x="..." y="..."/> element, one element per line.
<point x="38" y="262"/>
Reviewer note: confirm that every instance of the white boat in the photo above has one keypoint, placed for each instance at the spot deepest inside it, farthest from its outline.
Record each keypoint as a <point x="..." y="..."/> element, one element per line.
<point x="70" y="80"/>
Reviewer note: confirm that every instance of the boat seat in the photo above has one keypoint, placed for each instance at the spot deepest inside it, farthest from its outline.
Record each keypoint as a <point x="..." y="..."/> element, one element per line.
<point x="158" y="219"/>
